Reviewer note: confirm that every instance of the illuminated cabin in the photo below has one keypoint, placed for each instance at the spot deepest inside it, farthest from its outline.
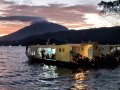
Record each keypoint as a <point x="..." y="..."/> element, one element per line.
<point x="36" y="51"/>
<point x="64" y="53"/>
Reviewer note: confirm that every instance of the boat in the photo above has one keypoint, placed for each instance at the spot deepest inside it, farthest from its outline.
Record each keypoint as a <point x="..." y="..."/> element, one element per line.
<point x="85" y="55"/>
<point x="62" y="55"/>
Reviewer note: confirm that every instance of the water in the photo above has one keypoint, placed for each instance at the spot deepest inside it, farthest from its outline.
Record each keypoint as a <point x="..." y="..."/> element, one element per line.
<point x="17" y="74"/>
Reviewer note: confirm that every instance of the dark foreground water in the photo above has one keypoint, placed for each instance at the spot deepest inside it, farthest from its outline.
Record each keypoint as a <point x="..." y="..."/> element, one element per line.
<point x="17" y="74"/>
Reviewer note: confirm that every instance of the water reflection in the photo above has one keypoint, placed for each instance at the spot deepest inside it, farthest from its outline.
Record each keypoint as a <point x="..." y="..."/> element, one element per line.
<point x="80" y="80"/>
<point x="48" y="72"/>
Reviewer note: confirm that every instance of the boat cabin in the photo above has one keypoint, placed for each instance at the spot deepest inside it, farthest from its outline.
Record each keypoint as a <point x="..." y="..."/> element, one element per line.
<point x="66" y="52"/>
<point x="42" y="51"/>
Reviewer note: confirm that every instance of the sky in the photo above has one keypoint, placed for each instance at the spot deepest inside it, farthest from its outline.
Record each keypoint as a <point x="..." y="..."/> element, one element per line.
<point x="74" y="14"/>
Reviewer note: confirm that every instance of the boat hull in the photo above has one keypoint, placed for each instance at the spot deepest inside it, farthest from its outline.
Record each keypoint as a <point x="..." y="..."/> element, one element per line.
<point x="53" y="62"/>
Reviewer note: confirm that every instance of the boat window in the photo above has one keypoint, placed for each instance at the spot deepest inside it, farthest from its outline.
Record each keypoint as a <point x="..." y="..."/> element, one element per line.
<point x="63" y="49"/>
<point x="59" y="49"/>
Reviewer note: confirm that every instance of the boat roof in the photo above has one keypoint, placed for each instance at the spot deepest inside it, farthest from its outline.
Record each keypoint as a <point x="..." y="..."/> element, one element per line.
<point x="51" y="46"/>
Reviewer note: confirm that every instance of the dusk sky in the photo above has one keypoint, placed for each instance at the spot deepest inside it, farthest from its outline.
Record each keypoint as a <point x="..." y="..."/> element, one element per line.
<point x="74" y="14"/>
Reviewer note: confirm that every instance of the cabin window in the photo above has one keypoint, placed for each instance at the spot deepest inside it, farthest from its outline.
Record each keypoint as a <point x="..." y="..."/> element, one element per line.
<point x="63" y="50"/>
<point x="59" y="49"/>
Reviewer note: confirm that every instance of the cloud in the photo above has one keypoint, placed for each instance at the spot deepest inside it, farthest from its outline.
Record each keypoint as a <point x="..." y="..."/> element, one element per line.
<point x="53" y="12"/>
<point x="59" y="13"/>
<point x="72" y="14"/>
<point x="9" y="24"/>
<point x="47" y="2"/>
<point x="22" y="18"/>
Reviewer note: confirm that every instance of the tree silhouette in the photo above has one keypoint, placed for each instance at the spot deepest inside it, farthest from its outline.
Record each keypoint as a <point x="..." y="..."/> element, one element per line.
<point x="110" y="11"/>
<point x="111" y="7"/>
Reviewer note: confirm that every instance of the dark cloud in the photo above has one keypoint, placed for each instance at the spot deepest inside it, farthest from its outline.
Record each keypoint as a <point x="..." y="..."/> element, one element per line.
<point x="6" y="2"/>
<point x="22" y="18"/>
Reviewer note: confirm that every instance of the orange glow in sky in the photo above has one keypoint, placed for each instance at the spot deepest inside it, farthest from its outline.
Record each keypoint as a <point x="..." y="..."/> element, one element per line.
<point x="7" y="28"/>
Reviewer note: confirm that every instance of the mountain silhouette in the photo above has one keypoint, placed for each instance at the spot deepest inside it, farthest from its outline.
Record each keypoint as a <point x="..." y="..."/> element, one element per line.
<point x="39" y="33"/>
<point x="103" y="35"/>
<point x="34" y="29"/>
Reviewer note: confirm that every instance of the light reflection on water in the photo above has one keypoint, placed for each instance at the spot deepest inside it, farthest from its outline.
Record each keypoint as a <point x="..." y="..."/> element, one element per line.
<point x="17" y="74"/>
<point x="80" y="77"/>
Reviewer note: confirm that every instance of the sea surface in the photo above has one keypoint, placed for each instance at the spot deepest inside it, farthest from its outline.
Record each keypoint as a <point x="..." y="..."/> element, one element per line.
<point x="16" y="73"/>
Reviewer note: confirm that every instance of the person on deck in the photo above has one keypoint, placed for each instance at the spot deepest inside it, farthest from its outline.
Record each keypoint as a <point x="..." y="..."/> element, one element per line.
<point x="43" y="54"/>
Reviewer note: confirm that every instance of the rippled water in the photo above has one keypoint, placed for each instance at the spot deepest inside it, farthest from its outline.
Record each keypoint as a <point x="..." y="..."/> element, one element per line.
<point x="17" y="74"/>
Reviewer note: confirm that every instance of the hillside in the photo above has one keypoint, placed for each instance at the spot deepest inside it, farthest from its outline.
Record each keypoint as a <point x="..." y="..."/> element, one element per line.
<point x="104" y="35"/>
<point x="101" y="35"/>
<point x="34" y="29"/>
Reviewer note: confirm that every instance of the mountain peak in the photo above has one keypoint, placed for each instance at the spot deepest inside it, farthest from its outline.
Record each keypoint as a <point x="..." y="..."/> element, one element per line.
<point x="36" y="28"/>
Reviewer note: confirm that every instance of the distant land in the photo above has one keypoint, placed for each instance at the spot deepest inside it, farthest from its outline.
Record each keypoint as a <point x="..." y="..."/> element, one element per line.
<point x="39" y="33"/>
